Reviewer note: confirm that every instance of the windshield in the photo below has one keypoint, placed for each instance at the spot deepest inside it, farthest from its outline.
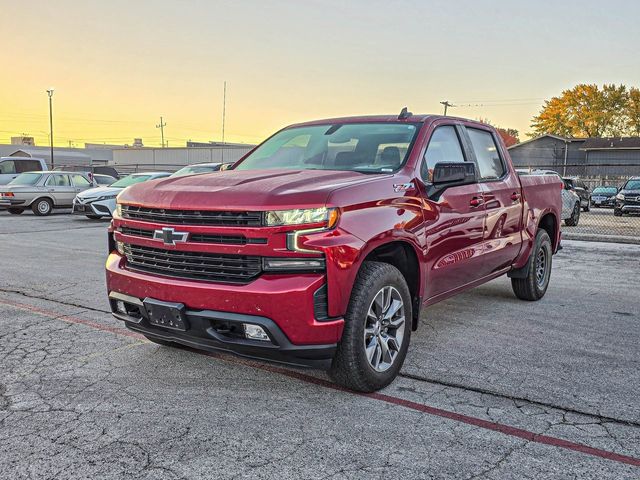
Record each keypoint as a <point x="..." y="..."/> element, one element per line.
<point x="360" y="147"/>
<point x="130" y="180"/>
<point x="632" y="185"/>
<point x="193" y="169"/>
<point x="26" y="179"/>
<point x="605" y="190"/>
<point x="101" y="180"/>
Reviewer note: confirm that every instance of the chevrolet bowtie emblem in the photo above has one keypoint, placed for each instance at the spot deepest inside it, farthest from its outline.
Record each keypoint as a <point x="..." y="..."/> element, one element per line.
<point x="169" y="236"/>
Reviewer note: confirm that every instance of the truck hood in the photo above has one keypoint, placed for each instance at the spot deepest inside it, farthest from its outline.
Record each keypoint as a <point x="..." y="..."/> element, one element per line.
<point x="246" y="190"/>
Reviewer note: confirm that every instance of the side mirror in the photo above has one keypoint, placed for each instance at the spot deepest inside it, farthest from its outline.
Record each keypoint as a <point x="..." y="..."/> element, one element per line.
<point x="447" y="174"/>
<point x="451" y="174"/>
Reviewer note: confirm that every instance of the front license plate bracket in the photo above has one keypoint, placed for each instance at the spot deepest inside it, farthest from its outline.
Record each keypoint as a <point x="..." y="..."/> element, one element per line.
<point x="166" y="314"/>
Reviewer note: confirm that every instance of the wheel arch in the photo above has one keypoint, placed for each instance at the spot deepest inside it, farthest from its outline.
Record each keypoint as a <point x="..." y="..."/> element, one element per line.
<point x="40" y="197"/>
<point x="402" y="255"/>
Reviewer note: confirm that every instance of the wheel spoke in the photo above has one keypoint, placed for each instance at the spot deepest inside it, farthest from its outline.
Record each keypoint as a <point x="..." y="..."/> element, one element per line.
<point x="371" y="348"/>
<point x="397" y="323"/>
<point x="384" y="346"/>
<point x="394" y="306"/>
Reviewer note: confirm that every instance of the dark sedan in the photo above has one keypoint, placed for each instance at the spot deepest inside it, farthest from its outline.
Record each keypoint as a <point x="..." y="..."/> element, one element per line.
<point x="604" y="197"/>
<point x="628" y="198"/>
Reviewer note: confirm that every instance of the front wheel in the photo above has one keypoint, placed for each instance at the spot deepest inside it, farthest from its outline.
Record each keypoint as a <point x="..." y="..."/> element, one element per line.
<point x="377" y="329"/>
<point x="587" y="207"/>
<point x="535" y="284"/>
<point x="93" y="217"/>
<point x="617" y="213"/>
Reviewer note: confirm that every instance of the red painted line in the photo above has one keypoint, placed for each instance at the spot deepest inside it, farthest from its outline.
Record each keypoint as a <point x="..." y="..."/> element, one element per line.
<point x="419" y="407"/>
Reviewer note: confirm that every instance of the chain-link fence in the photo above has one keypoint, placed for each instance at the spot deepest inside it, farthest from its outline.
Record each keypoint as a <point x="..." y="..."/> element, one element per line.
<point x="600" y="202"/>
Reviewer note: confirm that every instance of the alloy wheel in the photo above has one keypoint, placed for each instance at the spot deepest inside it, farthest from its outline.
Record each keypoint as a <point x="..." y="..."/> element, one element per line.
<point x="384" y="328"/>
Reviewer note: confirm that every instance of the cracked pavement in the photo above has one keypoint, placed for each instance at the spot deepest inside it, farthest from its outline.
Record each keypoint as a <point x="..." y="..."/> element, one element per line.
<point x="82" y="397"/>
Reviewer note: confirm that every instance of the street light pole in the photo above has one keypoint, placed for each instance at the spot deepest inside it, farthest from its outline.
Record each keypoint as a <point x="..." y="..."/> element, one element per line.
<point x="50" y="93"/>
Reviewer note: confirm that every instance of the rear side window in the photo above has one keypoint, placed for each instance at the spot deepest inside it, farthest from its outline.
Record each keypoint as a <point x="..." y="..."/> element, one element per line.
<point x="58" y="181"/>
<point x="490" y="164"/>
<point x="444" y="146"/>
<point x="7" y="167"/>
<point x="27" y="166"/>
<point x="80" y="181"/>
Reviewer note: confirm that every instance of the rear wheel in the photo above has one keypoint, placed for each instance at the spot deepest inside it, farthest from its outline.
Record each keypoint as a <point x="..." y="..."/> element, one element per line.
<point x="573" y="220"/>
<point x="617" y="213"/>
<point x="377" y="330"/>
<point x="534" y="285"/>
<point x="42" y="207"/>
<point x="15" y="211"/>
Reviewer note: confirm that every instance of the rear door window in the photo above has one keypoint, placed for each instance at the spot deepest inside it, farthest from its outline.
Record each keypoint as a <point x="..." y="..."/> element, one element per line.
<point x="444" y="146"/>
<point x="490" y="164"/>
<point x="58" y="181"/>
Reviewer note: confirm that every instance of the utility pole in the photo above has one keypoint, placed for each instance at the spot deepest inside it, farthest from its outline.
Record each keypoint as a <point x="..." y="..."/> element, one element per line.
<point x="161" y="127"/>
<point x="224" y="114"/>
<point x="50" y="93"/>
<point x="446" y="104"/>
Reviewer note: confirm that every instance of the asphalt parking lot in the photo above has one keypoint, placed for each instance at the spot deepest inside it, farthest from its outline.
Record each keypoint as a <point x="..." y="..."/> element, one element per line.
<point x="492" y="387"/>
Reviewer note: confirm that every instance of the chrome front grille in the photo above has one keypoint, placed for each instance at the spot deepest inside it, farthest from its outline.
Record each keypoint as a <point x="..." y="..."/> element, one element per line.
<point x="193" y="217"/>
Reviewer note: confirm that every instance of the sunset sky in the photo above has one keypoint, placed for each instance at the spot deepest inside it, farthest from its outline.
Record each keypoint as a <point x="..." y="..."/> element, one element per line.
<point x="117" y="66"/>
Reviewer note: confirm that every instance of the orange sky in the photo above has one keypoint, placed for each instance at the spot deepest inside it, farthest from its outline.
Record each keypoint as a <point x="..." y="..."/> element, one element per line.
<point x="117" y="66"/>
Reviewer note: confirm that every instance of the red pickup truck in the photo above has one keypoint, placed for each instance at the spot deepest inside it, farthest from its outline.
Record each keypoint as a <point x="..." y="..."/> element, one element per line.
<point x="323" y="244"/>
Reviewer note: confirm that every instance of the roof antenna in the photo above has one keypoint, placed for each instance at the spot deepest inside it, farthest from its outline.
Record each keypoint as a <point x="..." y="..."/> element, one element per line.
<point x="404" y="114"/>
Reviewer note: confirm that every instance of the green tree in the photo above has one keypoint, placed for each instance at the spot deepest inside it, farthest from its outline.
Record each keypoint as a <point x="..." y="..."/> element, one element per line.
<point x="585" y="111"/>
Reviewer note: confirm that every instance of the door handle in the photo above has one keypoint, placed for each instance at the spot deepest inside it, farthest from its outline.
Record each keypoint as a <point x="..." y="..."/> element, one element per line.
<point x="515" y="196"/>
<point x="476" y="201"/>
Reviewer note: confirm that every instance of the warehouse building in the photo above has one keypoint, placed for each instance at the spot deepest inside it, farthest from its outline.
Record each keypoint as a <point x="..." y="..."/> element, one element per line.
<point x="595" y="158"/>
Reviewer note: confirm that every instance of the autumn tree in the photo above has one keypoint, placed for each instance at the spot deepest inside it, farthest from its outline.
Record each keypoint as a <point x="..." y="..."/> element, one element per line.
<point x="590" y="111"/>
<point x="510" y="136"/>
<point x="633" y="111"/>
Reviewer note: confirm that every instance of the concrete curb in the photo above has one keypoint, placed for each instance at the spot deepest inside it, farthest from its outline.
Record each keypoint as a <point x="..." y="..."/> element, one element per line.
<point x="592" y="237"/>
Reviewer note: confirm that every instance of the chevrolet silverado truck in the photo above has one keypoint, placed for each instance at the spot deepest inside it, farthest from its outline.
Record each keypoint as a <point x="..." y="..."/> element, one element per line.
<point x="322" y="245"/>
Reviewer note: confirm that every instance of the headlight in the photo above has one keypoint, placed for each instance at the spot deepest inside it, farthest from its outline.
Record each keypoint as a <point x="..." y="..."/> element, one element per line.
<point x="328" y="216"/>
<point x="118" y="212"/>
<point x="620" y="196"/>
<point x="106" y="197"/>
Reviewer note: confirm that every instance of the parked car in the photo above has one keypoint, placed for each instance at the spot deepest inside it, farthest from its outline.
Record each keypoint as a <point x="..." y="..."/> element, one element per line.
<point x="570" y="199"/>
<point x="604" y="197"/>
<point x="628" y="198"/>
<point x="11" y="167"/>
<point x="101" y="202"/>
<point x="197" y="168"/>
<point x="580" y="188"/>
<point x="103" y="180"/>
<point x="321" y="246"/>
<point x="42" y="191"/>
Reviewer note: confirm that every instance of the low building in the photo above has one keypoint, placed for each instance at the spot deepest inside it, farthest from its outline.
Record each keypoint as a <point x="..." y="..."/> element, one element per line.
<point x="62" y="156"/>
<point x="596" y="159"/>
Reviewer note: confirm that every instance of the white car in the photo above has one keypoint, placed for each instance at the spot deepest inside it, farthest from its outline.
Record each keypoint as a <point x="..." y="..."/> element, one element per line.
<point x="570" y="199"/>
<point x="101" y="202"/>
<point x="197" y="168"/>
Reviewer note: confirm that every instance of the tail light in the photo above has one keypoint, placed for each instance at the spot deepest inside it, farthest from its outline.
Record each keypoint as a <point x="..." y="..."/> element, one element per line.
<point x="7" y="194"/>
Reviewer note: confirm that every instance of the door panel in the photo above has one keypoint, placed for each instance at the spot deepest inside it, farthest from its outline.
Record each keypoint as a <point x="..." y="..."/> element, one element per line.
<point x="454" y="235"/>
<point x="60" y="188"/>
<point x="503" y="226"/>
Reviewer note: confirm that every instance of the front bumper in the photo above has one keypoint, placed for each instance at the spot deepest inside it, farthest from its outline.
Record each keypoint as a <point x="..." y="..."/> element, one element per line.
<point x="103" y="208"/>
<point x="283" y="303"/>
<point x="218" y="331"/>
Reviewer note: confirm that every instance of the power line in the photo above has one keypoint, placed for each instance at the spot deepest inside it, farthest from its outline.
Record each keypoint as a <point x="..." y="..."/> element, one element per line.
<point x="161" y="127"/>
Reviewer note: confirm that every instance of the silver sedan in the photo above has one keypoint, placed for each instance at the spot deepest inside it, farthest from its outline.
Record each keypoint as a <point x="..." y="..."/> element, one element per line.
<point x="42" y="191"/>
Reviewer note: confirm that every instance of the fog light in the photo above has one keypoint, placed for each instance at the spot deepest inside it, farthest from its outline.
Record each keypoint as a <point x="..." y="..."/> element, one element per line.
<point x="255" y="332"/>
<point x="121" y="307"/>
<point x="120" y="247"/>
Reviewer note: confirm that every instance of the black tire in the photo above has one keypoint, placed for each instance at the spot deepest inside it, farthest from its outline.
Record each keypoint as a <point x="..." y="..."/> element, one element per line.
<point x="617" y="213"/>
<point x="42" y="207"/>
<point x="350" y="367"/>
<point x="93" y="217"/>
<point x="535" y="284"/>
<point x="158" y="341"/>
<point x="587" y="208"/>
<point x="573" y="220"/>
<point x="15" y="211"/>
